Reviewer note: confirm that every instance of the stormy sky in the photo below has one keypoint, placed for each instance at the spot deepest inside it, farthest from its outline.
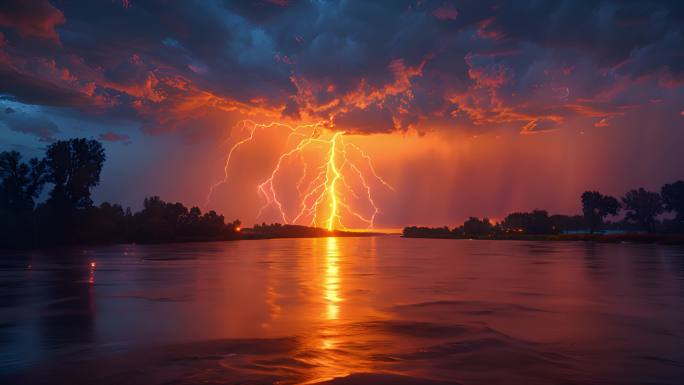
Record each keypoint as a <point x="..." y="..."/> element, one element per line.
<point x="466" y="107"/>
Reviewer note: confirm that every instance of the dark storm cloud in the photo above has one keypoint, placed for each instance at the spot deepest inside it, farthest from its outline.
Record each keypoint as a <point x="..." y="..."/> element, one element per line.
<point x="33" y="90"/>
<point x="31" y="18"/>
<point x="372" y="119"/>
<point x="367" y="66"/>
<point x="29" y="123"/>
<point x="610" y="32"/>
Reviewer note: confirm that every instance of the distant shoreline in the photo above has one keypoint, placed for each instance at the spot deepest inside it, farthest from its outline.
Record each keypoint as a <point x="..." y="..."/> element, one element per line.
<point x="312" y="232"/>
<point x="665" y="239"/>
<point x="316" y="233"/>
<point x="286" y="231"/>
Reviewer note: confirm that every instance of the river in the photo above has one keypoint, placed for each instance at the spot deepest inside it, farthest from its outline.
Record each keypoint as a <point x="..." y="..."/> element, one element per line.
<point x="366" y="310"/>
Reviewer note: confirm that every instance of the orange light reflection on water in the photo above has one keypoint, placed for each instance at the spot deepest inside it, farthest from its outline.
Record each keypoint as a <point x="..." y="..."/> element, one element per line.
<point x="331" y="285"/>
<point x="331" y="360"/>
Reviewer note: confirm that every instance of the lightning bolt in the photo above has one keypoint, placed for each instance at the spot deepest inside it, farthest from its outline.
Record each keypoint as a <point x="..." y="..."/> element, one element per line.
<point x="228" y="158"/>
<point x="323" y="188"/>
<point x="332" y="193"/>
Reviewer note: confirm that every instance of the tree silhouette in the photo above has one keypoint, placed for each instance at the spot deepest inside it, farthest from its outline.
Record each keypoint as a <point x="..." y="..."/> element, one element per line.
<point x="20" y="182"/>
<point x="474" y="227"/>
<point x="73" y="167"/>
<point x="108" y="223"/>
<point x="413" y="231"/>
<point x="69" y="216"/>
<point x="515" y="223"/>
<point x="643" y="206"/>
<point x="20" y="185"/>
<point x="596" y="206"/>
<point x="561" y="223"/>
<point x="535" y="222"/>
<point x="540" y="223"/>
<point x="160" y="221"/>
<point x="673" y="199"/>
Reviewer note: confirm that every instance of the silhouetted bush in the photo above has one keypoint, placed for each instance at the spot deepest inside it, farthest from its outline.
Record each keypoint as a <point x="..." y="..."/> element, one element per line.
<point x="427" y="232"/>
<point x="535" y="222"/>
<point x="567" y="223"/>
<point x="474" y="228"/>
<point x="160" y="221"/>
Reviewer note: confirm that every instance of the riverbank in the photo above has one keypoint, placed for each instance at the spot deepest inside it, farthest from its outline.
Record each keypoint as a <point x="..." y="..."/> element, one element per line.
<point x="665" y="239"/>
<point x="256" y="233"/>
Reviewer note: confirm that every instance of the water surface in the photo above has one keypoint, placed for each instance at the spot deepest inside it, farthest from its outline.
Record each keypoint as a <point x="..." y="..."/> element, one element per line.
<point x="345" y="310"/>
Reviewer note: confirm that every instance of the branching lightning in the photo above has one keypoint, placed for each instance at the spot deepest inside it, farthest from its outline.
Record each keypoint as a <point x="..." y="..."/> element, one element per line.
<point x="326" y="186"/>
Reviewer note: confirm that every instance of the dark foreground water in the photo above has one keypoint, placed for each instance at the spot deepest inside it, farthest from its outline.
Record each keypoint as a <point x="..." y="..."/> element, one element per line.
<point x="351" y="311"/>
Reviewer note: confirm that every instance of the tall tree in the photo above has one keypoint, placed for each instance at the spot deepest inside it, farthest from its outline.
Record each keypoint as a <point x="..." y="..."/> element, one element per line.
<point x="596" y="206"/>
<point x="74" y="167"/>
<point x="673" y="199"/>
<point x="643" y="206"/>
<point x="20" y="183"/>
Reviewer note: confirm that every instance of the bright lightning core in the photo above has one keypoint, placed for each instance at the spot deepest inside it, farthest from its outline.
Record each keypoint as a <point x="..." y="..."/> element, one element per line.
<point x="334" y="177"/>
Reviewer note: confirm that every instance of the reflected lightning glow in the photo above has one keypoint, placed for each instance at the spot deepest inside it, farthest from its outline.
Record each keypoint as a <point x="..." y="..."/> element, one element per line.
<point x="332" y="279"/>
<point x="327" y="192"/>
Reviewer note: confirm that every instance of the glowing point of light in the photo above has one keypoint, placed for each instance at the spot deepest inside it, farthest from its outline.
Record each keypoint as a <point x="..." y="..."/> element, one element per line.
<point x="93" y="265"/>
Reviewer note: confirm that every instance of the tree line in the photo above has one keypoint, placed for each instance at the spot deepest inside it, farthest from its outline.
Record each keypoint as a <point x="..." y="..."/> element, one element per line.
<point x="641" y="210"/>
<point x="70" y="169"/>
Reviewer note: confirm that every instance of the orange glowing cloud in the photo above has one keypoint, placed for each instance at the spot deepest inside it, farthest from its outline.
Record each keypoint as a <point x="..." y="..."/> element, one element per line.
<point x="362" y="96"/>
